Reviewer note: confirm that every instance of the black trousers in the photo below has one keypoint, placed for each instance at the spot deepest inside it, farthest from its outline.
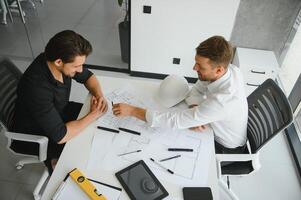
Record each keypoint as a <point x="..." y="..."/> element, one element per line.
<point x="54" y="150"/>
<point x="220" y="149"/>
<point x="70" y="114"/>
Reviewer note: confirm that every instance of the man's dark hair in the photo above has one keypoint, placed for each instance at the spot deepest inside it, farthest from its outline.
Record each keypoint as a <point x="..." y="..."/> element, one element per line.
<point x="217" y="49"/>
<point x="66" y="45"/>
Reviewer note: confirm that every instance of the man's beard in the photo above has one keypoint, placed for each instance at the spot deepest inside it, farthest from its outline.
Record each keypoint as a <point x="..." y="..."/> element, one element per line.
<point x="70" y="75"/>
<point x="202" y="78"/>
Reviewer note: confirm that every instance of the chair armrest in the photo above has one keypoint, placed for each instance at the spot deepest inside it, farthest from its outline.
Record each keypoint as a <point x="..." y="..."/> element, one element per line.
<point x="26" y="137"/>
<point x="237" y="158"/>
<point x="41" y="140"/>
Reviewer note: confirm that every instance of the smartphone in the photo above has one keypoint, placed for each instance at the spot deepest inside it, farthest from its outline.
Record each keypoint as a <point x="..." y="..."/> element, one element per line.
<point x="197" y="193"/>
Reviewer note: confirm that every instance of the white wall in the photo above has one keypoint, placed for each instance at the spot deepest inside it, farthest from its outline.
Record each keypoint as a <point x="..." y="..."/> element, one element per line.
<point x="291" y="67"/>
<point x="174" y="29"/>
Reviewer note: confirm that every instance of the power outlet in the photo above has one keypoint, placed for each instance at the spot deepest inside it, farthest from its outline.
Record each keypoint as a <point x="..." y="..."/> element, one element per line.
<point x="147" y="9"/>
<point x="176" y="61"/>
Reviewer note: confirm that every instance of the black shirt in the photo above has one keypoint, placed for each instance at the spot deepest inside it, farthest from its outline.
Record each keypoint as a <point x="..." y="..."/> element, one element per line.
<point x="42" y="99"/>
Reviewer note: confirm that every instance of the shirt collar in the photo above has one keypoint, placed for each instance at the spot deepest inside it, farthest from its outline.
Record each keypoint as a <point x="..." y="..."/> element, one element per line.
<point x="212" y="87"/>
<point x="49" y="74"/>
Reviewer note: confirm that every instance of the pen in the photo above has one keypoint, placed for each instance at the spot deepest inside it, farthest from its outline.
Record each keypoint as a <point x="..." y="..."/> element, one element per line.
<point x="165" y="159"/>
<point x="129" y="131"/>
<point x="179" y="149"/>
<point x="60" y="188"/>
<point x="107" y="129"/>
<point x="112" y="103"/>
<point x="162" y="166"/>
<point x="129" y="152"/>
<point x="105" y="184"/>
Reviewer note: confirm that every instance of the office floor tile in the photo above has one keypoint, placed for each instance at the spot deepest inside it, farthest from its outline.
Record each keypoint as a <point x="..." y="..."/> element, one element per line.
<point x="279" y="147"/>
<point x="13" y="40"/>
<point x="272" y="181"/>
<point x="102" y="14"/>
<point x="3" y="140"/>
<point x="9" y="190"/>
<point x="17" y="184"/>
<point x="95" y="19"/>
<point x="22" y="64"/>
<point x="26" y="192"/>
<point x="8" y="172"/>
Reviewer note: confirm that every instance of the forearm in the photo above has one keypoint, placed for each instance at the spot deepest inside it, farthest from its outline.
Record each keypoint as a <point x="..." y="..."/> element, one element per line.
<point x="175" y="119"/>
<point x="139" y="113"/>
<point x="93" y="86"/>
<point x="76" y="126"/>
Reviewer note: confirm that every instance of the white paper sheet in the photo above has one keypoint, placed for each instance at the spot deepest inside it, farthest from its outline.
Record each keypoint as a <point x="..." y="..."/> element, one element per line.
<point x="123" y="95"/>
<point x="190" y="169"/>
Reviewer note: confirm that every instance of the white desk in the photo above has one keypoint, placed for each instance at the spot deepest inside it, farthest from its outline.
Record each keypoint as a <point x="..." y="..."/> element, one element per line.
<point x="76" y="151"/>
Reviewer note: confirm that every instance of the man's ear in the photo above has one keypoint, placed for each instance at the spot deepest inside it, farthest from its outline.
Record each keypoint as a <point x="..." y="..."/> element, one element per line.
<point x="220" y="70"/>
<point x="58" y="62"/>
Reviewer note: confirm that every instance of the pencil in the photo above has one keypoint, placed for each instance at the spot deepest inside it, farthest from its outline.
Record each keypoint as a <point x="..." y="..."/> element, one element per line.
<point x="165" y="159"/>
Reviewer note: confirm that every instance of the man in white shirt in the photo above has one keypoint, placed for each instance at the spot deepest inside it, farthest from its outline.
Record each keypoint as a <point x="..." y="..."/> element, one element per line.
<point x="218" y="99"/>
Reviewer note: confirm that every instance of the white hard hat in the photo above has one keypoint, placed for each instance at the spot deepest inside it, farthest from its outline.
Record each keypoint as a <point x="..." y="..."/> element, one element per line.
<point x="173" y="89"/>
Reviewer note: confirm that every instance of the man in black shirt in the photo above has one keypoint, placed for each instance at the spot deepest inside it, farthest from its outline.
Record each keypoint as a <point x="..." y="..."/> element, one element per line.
<point x="43" y="106"/>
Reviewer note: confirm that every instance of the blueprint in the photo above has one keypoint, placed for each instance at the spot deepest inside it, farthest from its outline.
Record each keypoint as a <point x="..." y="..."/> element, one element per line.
<point x="125" y="95"/>
<point x="190" y="168"/>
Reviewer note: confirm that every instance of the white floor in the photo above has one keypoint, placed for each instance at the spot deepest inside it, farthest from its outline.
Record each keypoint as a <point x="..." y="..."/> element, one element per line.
<point x="277" y="178"/>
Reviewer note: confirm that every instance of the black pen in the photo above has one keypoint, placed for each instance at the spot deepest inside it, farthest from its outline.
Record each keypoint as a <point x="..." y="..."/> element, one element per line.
<point x="179" y="149"/>
<point x="162" y="166"/>
<point x="129" y="152"/>
<point x="112" y="103"/>
<point x="107" y="129"/>
<point x="129" y="131"/>
<point x="165" y="159"/>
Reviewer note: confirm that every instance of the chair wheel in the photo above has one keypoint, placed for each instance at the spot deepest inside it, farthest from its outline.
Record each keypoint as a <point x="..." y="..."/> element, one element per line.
<point x="18" y="167"/>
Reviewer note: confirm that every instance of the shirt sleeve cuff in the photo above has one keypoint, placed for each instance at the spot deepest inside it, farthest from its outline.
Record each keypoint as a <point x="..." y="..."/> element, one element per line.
<point x="149" y="116"/>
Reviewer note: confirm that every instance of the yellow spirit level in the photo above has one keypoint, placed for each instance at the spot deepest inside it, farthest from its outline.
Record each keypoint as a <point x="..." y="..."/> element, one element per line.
<point x="86" y="185"/>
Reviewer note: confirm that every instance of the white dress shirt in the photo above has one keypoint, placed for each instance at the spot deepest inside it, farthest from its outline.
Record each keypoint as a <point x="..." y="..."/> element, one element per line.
<point x="222" y="104"/>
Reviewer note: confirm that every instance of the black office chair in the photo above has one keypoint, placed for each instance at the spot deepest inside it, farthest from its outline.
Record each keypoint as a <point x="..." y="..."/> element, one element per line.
<point x="269" y="113"/>
<point x="10" y="76"/>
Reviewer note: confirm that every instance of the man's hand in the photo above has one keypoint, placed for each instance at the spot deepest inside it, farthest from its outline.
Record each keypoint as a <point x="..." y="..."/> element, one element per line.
<point x="123" y="110"/>
<point x="104" y="104"/>
<point x="198" y="128"/>
<point x="97" y="107"/>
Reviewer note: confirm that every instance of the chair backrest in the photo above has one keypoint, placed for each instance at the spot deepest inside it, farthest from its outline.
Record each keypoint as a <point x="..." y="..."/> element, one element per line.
<point x="269" y="113"/>
<point x="9" y="79"/>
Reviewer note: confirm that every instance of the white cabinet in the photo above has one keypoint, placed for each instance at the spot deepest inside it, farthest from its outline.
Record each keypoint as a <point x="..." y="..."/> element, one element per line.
<point x="256" y="66"/>
<point x="173" y="29"/>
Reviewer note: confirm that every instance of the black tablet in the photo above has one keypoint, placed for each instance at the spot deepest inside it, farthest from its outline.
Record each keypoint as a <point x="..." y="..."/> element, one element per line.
<point x="140" y="183"/>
